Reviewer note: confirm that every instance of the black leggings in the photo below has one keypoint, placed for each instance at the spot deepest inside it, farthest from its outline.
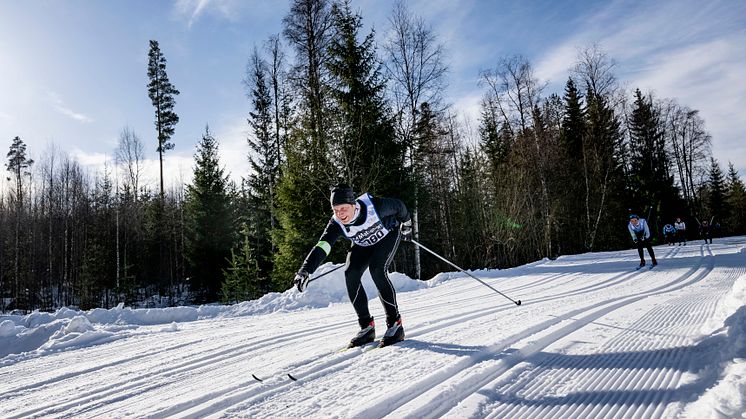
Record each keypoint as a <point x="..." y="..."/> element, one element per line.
<point x="642" y="243"/>
<point x="377" y="258"/>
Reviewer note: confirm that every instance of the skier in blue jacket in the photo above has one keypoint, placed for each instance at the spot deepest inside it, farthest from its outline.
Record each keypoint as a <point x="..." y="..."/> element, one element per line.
<point x="375" y="226"/>
<point x="640" y="232"/>
<point x="669" y="232"/>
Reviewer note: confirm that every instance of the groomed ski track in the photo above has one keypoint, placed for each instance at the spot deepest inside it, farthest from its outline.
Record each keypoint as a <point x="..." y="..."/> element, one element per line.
<point x="593" y="338"/>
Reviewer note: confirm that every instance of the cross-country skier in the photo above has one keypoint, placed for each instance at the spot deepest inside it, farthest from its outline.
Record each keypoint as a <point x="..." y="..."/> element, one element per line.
<point x="669" y="232"/>
<point x="680" y="227"/>
<point x="375" y="226"/>
<point x="705" y="230"/>
<point x="640" y="232"/>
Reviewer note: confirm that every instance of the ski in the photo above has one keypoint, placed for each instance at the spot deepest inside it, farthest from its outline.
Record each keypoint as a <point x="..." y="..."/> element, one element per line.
<point x="363" y="349"/>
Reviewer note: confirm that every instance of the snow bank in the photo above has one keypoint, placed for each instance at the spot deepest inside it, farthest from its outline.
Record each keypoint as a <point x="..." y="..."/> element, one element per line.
<point x="39" y="333"/>
<point x="326" y="290"/>
<point x="727" y="398"/>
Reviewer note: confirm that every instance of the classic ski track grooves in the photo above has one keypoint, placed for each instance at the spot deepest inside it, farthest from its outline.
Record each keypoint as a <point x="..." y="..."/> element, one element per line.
<point x="508" y="378"/>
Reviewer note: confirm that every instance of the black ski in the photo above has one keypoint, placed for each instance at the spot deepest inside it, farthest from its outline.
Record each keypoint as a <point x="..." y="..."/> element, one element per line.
<point x="363" y="349"/>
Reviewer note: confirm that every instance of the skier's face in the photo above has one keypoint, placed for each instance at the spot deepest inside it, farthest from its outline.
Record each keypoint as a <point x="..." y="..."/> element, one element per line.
<point x="344" y="212"/>
<point x="634" y="221"/>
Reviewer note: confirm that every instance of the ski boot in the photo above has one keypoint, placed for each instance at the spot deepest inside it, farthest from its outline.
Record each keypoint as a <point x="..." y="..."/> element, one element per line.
<point x="367" y="333"/>
<point x="395" y="333"/>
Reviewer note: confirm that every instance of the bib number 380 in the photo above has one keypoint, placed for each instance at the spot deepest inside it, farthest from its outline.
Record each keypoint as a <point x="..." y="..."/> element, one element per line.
<point x="373" y="239"/>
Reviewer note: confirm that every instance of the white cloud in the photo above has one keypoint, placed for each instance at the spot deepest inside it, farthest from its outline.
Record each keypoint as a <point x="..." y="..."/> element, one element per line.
<point x="59" y="105"/>
<point x="555" y="66"/>
<point x="231" y="10"/>
<point x="234" y="149"/>
<point x="685" y="50"/>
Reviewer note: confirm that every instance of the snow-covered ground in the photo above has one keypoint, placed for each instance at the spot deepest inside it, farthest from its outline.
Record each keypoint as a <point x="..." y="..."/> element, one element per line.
<point x="593" y="338"/>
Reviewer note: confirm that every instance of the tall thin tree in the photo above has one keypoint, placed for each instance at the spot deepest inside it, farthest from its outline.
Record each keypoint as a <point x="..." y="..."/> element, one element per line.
<point x="19" y="165"/>
<point x="161" y="93"/>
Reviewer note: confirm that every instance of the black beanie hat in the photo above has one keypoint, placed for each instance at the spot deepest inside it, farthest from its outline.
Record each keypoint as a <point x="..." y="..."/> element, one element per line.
<point x="342" y="194"/>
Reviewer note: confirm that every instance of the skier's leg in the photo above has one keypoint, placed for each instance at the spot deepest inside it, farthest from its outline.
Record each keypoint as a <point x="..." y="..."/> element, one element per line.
<point x="640" y="251"/>
<point x="650" y="251"/>
<point x="381" y="257"/>
<point x="357" y="262"/>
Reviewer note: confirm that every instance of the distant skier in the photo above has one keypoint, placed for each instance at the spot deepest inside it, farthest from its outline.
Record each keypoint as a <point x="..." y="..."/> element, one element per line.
<point x="375" y="226"/>
<point x="669" y="232"/>
<point x="705" y="231"/>
<point x="680" y="227"/>
<point x="640" y="232"/>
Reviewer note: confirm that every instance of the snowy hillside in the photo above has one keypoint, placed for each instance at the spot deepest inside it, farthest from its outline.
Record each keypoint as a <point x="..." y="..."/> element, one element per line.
<point x="593" y="338"/>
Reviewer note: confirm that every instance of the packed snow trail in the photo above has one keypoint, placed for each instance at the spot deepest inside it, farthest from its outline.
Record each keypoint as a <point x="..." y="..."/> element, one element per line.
<point x="592" y="338"/>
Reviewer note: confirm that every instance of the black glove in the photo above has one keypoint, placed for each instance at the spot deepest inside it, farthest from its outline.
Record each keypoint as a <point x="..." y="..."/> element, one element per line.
<point x="301" y="280"/>
<point x="635" y="240"/>
<point x="406" y="230"/>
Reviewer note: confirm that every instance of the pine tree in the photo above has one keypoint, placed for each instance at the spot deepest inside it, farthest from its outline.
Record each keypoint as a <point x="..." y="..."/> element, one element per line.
<point x="651" y="183"/>
<point x="495" y="137"/>
<point x="603" y="174"/>
<point x="366" y="149"/>
<point x="264" y="160"/>
<point x="19" y="165"/>
<point x="717" y="190"/>
<point x="574" y="172"/>
<point x="303" y="190"/>
<point x="573" y="122"/>
<point x="736" y="201"/>
<point x="161" y="93"/>
<point x="240" y="279"/>
<point x="210" y="221"/>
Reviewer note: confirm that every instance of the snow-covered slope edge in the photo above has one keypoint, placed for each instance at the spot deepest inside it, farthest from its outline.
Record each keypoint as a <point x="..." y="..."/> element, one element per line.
<point x="727" y="398"/>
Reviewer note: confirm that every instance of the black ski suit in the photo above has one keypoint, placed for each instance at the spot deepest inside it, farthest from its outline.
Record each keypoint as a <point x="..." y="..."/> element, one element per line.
<point x="375" y="237"/>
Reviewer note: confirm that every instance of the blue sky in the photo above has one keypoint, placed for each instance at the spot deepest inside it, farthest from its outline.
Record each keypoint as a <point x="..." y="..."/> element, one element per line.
<point x="73" y="73"/>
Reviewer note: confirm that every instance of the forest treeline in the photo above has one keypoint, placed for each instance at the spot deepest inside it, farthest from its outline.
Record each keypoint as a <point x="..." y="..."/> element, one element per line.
<point x="539" y="174"/>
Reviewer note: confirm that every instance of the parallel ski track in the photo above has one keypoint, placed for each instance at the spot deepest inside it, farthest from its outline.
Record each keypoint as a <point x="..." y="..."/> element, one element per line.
<point x="145" y="377"/>
<point x="145" y="374"/>
<point x="385" y="406"/>
<point x="444" y="400"/>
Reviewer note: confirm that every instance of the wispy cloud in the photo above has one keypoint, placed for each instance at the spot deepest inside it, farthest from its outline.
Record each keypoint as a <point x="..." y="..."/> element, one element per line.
<point x="59" y="105"/>
<point x="685" y="50"/>
<point x="190" y="9"/>
<point x="193" y="10"/>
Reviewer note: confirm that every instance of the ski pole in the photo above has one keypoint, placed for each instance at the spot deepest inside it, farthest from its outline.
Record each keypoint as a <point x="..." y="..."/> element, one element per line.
<point x="327" y="272"/>
<point x="463" y="271"/>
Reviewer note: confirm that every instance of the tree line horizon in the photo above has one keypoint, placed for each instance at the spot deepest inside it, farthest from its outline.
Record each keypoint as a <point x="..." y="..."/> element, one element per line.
<point x="544" y="174"/>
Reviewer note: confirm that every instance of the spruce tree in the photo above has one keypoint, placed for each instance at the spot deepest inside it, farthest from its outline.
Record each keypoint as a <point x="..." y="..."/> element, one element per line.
<point x="651" y="183"/>
<point x="736" y="201"/>
<point x="573" y="122"/>
<point x="264" y="160"/>
<point x="161" y="93"/>
<point x="573" y="174"/>
<point x="366" y="149"/>
<point x="716" y="186"/>
<point x="495" y="138"/>
<point x="240" y="278"/>
<point x="210" y="232"/>
<point x="303" y="189"/>
<point x="603" y="174"/>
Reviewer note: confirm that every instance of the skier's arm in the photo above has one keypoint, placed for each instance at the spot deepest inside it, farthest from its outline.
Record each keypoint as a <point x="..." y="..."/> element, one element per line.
<point x="647" y="230"/>
<point x="387" y="207"/>
<point x="631" y="231"/>
<point x="322" y="248"/>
